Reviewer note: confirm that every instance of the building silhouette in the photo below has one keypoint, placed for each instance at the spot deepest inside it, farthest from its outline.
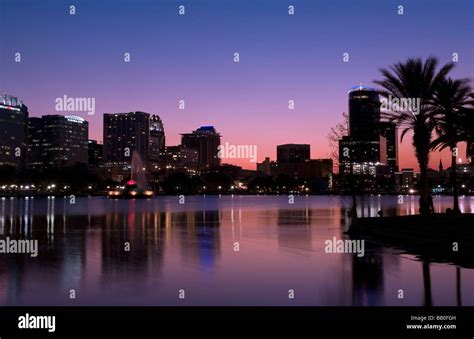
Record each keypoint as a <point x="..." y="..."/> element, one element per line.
<point x="293" y="153"/>
<point x="56" y="141"/>
<point x="406" y="180"/>
<point x="181" y="158"/>
<point x="13" y="131"/>
<point x="156" y="142"/>
<point x="309" y="169"/>
<point x="364" y="113"/>
<point x="293" y="160"/>
<point x="470" y="152"/>
<point x="371" y="146"/>
<point x="365" y="156"/>
<point x="124" y="134"/>
<point x="95" y="153"/>
<point x="389" y="131"/>
<point x="206" y="141"/>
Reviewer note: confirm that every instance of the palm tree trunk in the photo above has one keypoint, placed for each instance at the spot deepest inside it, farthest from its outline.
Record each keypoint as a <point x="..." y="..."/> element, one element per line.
<point x="458" y="286"/>
<point x="424" y="189"/>
<point x="421" y="141"/>
<point x="424" y="205"/>
<point x="427" y="283"/>
<point x="454" y="181"/>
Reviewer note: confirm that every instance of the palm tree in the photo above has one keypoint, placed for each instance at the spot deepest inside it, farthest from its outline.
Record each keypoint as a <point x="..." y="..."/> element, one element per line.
<point x="451" y="99"/>
<point x="467" y="127"/>
<point x="415" y="79"/>
<point x="427" y="283"/>
<point x="458" y="286"/>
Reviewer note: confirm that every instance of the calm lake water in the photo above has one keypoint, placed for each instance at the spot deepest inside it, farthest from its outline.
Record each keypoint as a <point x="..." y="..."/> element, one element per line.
<point x="191" y="247"/>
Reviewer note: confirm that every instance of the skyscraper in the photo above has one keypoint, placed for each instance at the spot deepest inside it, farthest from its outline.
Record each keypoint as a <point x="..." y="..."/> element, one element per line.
<point x="205" y="140"/>
<point x="95" y="153"/>
<point x="390" y="132"/>
<point x="364" y="155"/>
<point x="124" y="135"/>
<point x="56" y="141"/>
<point x="293" y="153"/>
<point x="370" y="143"/>
<point x="157" y="141"/>
<point x="13" y="131"/>
<point x="364" y="113"/>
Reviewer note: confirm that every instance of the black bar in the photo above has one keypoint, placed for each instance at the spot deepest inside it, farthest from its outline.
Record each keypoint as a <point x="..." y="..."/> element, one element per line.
<point x="243" y="322"/>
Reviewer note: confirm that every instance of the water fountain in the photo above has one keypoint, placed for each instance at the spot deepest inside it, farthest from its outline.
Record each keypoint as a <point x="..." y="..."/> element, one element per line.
<point x="137" y="186"/>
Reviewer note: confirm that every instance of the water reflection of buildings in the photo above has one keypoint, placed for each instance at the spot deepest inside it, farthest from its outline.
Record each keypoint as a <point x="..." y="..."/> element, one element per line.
<point x="294" y="228"/>
<point x="132" y="242"/>
<point x="199" y="237"/>
<point x="56" y="251"/>
<point x="368" y="278"/>
<point x="195" y="233"/>
<point x="368" y="272"/>
<point x="84" y="250"/>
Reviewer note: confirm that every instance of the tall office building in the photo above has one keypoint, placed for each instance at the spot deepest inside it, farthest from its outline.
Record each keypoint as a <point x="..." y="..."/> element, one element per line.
<point x="293" y="153"/>
<point x="182" y="158"/>
<point x="364" y="113"/>
<point x="370" y="144"/>
<point x="206" y="141"/>
<point x="13" y="131"/>
<point x="390" y="132"/>
<point x="56" y="141"/>
<point x="365" y="155"/>
<point x="124" y="135"/>
<point x="95" y="153"/>
<point x="157" y="141"/>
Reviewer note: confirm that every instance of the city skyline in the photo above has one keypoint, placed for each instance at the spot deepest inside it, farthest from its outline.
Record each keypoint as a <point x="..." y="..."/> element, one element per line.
<point x="193" y="60"/>
<point x="245" y="163"/>
<point x="270" y="160"/>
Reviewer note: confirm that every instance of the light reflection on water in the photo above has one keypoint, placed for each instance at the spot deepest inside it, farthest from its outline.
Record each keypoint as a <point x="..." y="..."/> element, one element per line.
<point x="192" y="247"/>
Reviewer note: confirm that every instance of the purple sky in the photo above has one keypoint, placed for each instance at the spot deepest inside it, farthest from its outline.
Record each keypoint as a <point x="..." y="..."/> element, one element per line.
<point x="190" y="57"/>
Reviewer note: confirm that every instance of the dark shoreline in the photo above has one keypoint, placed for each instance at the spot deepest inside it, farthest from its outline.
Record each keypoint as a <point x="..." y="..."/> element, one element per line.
<point x="437" y="237"/>
<point x="104" y="194"/>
